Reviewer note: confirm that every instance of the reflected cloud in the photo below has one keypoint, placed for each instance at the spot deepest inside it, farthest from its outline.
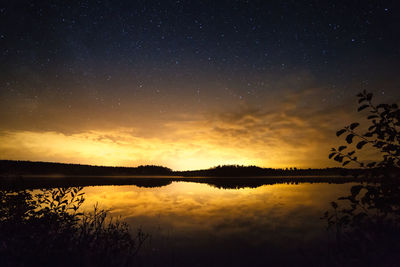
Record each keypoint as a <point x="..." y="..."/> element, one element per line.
<point x="273" y="210"/>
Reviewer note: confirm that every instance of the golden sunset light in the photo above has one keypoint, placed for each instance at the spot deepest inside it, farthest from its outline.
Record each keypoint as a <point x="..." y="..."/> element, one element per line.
<point x="281" y="134"/>
<point x="199" y="133"/>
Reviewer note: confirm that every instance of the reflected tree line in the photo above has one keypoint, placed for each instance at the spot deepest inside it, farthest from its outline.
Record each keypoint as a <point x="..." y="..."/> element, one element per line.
<point x="367" y="220"/>
<point x="47" y="228"/>
<point x="151" y="182"/>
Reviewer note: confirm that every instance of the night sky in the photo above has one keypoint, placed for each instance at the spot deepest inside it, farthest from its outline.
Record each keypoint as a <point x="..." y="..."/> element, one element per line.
<point x="190" y="84"/>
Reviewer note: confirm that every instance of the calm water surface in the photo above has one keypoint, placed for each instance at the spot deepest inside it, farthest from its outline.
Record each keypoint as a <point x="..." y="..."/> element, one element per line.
<point x="194" y="224"/>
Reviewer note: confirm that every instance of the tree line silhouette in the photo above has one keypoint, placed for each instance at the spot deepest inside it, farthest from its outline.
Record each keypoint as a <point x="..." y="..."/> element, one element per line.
<point x="249" y="171"/>
<point x="15" y="168"/>
<point x="27" y="174"/>
<point x="21" y="168"/>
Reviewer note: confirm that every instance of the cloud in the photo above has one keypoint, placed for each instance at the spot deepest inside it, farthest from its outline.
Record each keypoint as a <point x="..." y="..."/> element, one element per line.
<point x="290" y="135"/>
<point x="293" y="125"/>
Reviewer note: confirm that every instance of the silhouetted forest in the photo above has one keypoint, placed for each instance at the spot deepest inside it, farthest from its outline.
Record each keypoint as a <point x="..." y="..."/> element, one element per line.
<point x="15" y="168"/>
<point x="23" y="168"/>
<point x="248" y="171"/>
<point x="26" y="174"/>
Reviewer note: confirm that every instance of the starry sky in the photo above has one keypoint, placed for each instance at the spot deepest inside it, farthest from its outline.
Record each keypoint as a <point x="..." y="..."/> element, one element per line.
<point x="190" y="84"/>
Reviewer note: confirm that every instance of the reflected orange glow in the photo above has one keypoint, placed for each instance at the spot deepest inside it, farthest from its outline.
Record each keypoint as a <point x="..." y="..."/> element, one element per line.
<point x="200" y="207"/>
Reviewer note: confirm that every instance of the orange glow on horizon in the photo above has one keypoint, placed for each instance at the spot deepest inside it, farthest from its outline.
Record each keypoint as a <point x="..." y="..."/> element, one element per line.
<point x="95" y="149"/>
<point x="121" y="148"/>
<point x="289" y="135"/>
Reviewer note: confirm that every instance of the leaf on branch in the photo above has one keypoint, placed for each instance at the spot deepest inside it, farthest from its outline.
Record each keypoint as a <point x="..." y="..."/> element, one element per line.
<point x="341" y="148"/>
<point x="346" y="162"/>
<point x="361" y="144"/>
<point x="369" y="96"/>
<point x="362" y="99"/>
<point x="351" y="153"/>
<point x="340" y="132"/>
<point x="331" y="155"/>
<point x="373" y="117"/>
<point x="368" y="134"/>
<point x="338" y="158"/>
<point x="362" y="107"/>
<point x="349" y="138"/>
<point x="354" y="125"/>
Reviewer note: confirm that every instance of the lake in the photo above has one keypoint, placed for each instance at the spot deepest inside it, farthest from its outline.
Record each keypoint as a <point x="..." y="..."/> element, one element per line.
<point x="195" y="224"/>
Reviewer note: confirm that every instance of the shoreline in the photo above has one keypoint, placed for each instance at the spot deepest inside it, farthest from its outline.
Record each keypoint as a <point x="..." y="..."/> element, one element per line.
<point x="41" y="181"/>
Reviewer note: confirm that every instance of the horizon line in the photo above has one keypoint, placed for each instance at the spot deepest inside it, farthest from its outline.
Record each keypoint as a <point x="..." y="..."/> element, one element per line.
<point x="215" y="166"/>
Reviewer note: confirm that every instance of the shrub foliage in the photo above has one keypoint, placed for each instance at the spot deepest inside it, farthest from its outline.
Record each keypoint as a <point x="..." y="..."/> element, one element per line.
<point x="383" y="134"/>
<point x="367" y="221"/>
<point x="45" y="227"/>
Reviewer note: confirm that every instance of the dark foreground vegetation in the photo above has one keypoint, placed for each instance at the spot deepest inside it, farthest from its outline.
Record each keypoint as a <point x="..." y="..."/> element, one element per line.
<point x="46" y="228"/>
<point x="367" y="220"/>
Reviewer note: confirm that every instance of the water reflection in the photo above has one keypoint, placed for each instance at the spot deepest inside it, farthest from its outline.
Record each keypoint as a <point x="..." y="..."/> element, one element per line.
<point x="194" y="223"/>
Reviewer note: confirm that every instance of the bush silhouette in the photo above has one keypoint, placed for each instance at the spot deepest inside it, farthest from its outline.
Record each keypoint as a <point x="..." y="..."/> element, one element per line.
<point x="383" y="135"/>
<point x="45" y="227"/>
<point x="367" y="221"/>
